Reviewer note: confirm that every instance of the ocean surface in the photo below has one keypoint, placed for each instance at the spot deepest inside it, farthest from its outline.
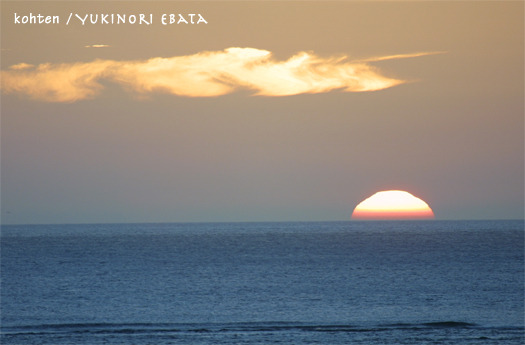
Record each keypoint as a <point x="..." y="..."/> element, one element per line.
<point x="417" y="282"/>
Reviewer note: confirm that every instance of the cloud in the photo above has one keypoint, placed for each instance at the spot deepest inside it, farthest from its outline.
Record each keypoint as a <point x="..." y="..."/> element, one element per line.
<point x="97" y="46"/>
<point x="57" y="82"/>
<point x="399" y="56"/>
<point x="205" y="74"/>
<point x="21" y="66"/>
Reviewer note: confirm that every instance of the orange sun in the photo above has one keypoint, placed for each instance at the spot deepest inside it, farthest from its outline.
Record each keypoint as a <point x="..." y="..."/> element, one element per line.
<point x="392" y="204"/>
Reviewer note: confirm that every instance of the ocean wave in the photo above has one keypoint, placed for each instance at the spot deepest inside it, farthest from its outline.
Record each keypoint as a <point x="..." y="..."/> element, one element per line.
<point x="261" y="333"/>
<point x="130" y="328"/>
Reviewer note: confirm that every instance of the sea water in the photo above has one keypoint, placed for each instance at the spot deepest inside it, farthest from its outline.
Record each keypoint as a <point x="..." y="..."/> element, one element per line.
<point x="417" y="282"/>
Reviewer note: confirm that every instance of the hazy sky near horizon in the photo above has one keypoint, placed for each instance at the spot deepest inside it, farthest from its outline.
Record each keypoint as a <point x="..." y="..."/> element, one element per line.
<point x="272" y="111"/>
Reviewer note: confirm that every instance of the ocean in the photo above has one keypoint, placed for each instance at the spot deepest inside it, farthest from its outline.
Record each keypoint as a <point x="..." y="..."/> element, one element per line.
<point x="390" y="282"/>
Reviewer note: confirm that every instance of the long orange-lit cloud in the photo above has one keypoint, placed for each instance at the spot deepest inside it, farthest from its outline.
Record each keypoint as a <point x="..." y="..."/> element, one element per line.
<point x="206" y="74"/>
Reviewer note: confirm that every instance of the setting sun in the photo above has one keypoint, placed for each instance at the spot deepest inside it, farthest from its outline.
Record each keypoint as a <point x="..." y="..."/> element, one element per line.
<point x="392" y="204"/>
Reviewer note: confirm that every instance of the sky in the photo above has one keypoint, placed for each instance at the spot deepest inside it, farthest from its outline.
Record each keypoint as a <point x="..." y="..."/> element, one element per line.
<point x="263" y="111"/>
